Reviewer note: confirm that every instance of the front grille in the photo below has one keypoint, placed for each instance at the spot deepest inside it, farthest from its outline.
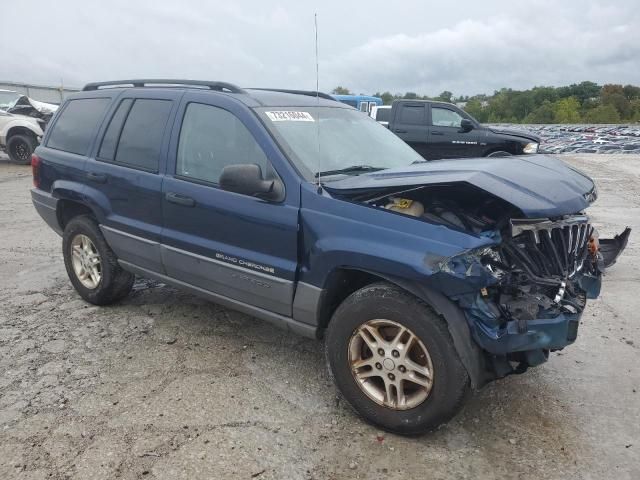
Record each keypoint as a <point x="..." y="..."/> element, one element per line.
<point x="546" y="249"/>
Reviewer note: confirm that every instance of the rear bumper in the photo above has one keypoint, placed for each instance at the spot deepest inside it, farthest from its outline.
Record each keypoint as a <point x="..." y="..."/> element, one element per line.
<point x="46" y="206"/>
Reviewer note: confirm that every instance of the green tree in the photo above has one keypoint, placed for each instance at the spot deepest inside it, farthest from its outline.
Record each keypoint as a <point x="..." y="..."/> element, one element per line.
<point x="545" y="113"/>
<point x="566" y="110"/>
<point x="602" y="114"/>
<point x="631" y="92"/>
<point x="387" y="98"/>
<point x="475" y="109"/>
<point x="635" y="109"/>
<point x="445" y="96"/>
<point x="341" y="91"/>
<point x="619" y="102"/>
<point x="410" y="95"/>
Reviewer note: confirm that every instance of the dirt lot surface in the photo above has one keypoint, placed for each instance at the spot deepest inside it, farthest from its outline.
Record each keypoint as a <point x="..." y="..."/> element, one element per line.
<point x="167" y="386"/>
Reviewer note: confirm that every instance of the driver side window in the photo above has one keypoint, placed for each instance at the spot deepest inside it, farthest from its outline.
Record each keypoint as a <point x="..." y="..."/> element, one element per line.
<point x="212" y="138"/>
<point x="443" y="117"/>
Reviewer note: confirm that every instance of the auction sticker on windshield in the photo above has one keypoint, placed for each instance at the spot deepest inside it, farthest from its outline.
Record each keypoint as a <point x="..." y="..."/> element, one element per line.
<point x="282" y="116"/>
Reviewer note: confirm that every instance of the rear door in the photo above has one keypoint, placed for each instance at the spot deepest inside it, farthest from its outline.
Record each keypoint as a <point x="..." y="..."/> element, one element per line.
<point x="446" y="139"/>
<point x="410" y="124"/>
<point x="124" y="176"/>
<point x="236" y="246"/>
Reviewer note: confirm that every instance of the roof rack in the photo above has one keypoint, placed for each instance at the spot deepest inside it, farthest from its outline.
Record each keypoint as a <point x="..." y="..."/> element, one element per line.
<point x="151" y="82"/>
<point x="308" y="93"/>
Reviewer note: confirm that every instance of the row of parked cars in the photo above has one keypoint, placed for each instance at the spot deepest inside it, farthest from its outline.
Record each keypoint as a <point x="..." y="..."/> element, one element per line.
<point x="622" y="139"/>
<point x="426" y="280"/>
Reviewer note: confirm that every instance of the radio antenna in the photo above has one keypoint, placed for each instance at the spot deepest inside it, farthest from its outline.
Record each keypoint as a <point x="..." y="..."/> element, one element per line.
<point x="315" y="21"/>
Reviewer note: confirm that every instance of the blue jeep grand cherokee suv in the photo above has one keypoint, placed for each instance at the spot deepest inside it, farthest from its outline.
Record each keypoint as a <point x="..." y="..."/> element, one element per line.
<point x="425" y="279"/>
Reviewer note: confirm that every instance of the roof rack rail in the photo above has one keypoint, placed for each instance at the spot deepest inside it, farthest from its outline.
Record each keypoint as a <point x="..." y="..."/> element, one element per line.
<point x="147" y="82"/>
<point x="308" y="93"/>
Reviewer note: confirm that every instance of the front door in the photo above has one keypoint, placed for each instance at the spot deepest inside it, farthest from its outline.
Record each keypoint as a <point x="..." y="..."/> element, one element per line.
<point x="233" y="245"/>
<point x="446" y="138"/>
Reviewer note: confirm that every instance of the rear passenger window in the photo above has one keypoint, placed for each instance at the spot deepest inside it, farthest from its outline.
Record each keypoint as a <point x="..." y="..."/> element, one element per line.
<point x="212" y="138"/>
<point x="73" y="130"/>
<point x="141" y="138"/>
<point x="412" y="115"/>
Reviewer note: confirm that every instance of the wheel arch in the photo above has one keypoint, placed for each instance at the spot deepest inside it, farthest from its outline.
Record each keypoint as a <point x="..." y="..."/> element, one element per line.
<point x="343" y="281"/>
<point x="67" y="209"/>
<point x="21" y="130"/>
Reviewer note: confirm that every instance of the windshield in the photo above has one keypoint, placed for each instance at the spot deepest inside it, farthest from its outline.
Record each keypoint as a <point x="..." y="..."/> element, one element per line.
<point x="8" y="99"/>
<point x="328" y="139"/>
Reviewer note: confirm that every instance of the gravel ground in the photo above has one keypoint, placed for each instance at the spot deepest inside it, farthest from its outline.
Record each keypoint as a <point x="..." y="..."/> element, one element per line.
<point x="167" y="386"/>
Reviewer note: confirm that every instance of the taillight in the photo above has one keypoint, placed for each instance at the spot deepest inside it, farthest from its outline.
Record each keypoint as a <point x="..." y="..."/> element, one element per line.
<point x="35" y="169"/>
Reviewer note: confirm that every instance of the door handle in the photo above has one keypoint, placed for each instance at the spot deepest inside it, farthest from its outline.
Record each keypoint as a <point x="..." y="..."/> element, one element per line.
<point x="400" y="131"/>
<point x="97" y="177"/>
<point x="437" y="133"/>
<point x="180" y="199"/>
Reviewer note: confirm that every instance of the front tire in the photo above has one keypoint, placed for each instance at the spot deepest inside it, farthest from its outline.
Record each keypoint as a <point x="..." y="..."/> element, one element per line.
<point x="91" y="264"/>
<point x="393" y="360"/>
<point x="499" y="153"/>
<point x="20" y="147"/>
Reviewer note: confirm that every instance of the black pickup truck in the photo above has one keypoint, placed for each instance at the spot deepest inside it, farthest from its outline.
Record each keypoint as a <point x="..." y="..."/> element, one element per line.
<point x="441" y="130"/>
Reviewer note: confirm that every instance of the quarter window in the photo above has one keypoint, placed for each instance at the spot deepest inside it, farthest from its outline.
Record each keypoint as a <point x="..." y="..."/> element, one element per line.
<point x="212" y="138"/>
<point x="110" y="140"/>
<point x="74" y="130"/>
<point x="443" y="117"/>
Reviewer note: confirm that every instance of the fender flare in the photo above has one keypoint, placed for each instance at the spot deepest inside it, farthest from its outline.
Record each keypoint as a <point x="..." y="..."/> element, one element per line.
<point x="471" y="355"/>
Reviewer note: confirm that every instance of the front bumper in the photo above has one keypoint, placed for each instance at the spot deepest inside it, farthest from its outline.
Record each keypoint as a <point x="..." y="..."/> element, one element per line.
<point x="540" y="334"/>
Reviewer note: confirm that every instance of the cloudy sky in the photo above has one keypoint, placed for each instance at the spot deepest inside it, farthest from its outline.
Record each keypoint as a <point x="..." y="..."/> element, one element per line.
<point x="463" y="46"/>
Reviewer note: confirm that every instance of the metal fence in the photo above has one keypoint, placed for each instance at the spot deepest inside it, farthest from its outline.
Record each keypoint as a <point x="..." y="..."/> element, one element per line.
<point x="42" y="93"/>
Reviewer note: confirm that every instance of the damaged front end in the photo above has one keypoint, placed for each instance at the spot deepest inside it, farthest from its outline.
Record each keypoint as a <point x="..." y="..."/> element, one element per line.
<point x="523" y="293"/>
<point x="532" y="288"/>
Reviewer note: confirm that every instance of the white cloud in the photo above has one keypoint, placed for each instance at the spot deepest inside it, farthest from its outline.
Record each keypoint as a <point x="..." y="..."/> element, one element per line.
<point x="483" y="55"/>
<point x="466" y="47"/>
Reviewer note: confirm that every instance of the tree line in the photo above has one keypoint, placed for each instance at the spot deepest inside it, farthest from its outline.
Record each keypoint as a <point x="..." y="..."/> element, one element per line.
<point x="585" y="102"/>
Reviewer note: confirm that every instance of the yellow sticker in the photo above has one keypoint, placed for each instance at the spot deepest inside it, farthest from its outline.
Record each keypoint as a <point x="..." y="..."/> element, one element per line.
<point x="403" y="203"/>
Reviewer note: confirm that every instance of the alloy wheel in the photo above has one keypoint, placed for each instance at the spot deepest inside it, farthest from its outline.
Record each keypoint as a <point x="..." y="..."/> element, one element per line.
<point x="390" y="364"/>
<point x="86" y="261"/>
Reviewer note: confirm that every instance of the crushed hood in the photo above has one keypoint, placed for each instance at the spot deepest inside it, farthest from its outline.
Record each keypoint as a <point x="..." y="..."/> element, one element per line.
<point x="539" y="185"/>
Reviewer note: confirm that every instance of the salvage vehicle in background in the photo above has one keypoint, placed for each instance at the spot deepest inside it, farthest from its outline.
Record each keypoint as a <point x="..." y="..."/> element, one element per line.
<point x="22" y="123"/>
<point x="425" y="279"/>
<point x="442" y="130"/>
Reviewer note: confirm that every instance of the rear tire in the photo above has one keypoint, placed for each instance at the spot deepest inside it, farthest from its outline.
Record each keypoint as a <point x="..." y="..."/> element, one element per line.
<point x="20" y="148"/>
<point x="438" y="372"/>
<point x="91" y="264"/>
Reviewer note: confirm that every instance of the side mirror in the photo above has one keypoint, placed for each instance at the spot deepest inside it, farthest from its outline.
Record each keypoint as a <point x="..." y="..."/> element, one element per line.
<point x="247" y="180"/>
<point x="466" y="125"/>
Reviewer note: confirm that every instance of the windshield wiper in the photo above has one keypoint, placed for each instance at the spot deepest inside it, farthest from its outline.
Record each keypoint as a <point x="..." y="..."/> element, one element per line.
<point x="351" y="169"/>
